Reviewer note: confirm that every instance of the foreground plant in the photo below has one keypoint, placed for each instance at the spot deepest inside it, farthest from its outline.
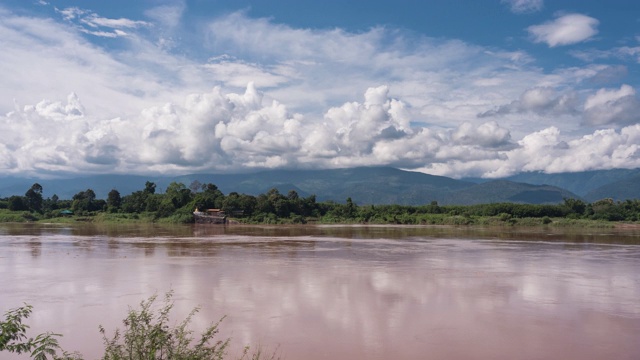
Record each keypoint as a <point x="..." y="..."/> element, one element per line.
<point x="13" y="338"/>
<point x="147" y="335"/>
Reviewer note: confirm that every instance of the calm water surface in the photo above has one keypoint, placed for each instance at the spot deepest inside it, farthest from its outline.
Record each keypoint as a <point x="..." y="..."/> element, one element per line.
<point x="343" y="292"/>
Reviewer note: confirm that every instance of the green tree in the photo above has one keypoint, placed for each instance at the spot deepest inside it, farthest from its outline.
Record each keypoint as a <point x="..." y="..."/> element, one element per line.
<point x="351" y="208"/>
<point x="33" y="198"/>
<point x="239" y="204"/>
<point x="575" y="206"/>
<point x="85" y="201"/>
<point x="210" y="198"/>
<point x="17" y="203"/>
<point x="309" y="207"/>
<point x="51" y="203"/>
<point x="149" y="187"/>
<point x="293" y="195"/>
<point x="114" y="200"/>
<point x="607" y="209"/>
<point x="136" y="202"/>
<point x="177" y="194"/>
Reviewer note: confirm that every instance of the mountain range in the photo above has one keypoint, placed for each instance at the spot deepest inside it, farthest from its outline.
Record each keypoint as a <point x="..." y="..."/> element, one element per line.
<point x="367" y="185"/>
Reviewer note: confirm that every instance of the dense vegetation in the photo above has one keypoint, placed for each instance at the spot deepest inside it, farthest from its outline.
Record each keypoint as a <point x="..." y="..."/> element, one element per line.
<point x="147" y="334"/>
<point x="178" y="202"/>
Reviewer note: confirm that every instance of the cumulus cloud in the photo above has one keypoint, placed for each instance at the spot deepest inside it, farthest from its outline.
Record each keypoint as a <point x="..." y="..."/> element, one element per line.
<point x="218" y="131"/>
<point x="565" y="30"/>
<point x="545" y="151"/>
<point x="611" y="106"/>
<point x="356" y="127"/>
<point x="524" y="6"/>
<point x="209" y="131"/>
<point x="489" y="134"/>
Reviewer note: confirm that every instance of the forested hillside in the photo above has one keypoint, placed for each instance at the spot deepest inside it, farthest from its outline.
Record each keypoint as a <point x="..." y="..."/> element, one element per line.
<point x="366" y="185"/>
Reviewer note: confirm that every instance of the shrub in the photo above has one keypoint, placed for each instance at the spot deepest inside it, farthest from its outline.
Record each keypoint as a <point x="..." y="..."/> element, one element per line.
<point x="13" y="338"/>
<point x="147" y="335"/>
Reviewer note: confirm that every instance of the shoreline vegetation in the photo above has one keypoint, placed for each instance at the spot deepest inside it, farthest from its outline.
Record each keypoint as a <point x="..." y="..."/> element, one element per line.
<point x="177" y="203"/>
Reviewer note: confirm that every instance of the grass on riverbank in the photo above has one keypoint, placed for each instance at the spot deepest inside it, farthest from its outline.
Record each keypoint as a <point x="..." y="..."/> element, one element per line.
<point x="14" y="216"/>
<point x="459" y="220"/>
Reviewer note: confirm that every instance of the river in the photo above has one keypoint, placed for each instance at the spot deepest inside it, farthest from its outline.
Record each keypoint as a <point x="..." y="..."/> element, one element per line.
<point x="339" y="292"/>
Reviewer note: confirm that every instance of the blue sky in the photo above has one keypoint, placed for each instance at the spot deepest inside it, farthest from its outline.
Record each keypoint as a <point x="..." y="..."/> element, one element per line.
<point x="458" y="88"/>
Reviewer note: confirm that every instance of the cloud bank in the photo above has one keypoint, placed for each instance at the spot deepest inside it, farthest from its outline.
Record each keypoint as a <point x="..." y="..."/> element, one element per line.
<point x="218" y="131"/>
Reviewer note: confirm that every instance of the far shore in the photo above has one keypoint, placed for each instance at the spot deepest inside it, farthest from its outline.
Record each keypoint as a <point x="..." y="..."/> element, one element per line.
<point x="445" y="221"/>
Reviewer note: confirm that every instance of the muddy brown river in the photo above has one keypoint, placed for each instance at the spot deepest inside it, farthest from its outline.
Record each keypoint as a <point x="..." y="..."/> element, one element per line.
<point x="339" y="292"/>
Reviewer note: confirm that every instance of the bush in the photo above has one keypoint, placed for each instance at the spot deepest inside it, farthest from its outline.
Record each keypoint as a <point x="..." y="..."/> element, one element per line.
<point x="147" y="335"/>
<point x="13" y="338"/>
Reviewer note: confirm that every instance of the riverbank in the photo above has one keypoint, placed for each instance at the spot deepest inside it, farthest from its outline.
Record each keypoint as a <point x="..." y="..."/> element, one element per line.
<point x="423" y="219"/>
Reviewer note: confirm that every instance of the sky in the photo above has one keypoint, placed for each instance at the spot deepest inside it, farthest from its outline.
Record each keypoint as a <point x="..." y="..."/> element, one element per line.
<point x="460" y="88"/>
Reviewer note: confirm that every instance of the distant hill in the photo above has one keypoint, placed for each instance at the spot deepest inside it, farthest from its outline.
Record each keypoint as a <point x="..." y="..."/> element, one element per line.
<point x="626" y="188"/>
<point x="581" y="183"/>
<point x="366" y="185"/>
<point x="66" y="188"/>
<point x="509" y="191"/>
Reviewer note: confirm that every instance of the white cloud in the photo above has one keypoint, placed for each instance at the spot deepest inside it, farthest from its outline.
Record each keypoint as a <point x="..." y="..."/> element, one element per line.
<point x="106" y="34"/>
<point x="167" y="15"/>
<point x="540" y="100"/>
<point x="95" y="21"/>
<point x="260" y="36"/>
<point x="93" y="24"/>
<point x="45" y="60"/>
<point x="218" y="131"/>
<point x="609" y="106"/>
<point x="565" y="30"/>
<point x="546" y="151"/>
<point x="71" y="13"/>
<point x="623" y="53"/>
<point x="237" y="73"/>
<point x="489" y="134"/>
<point x="524" y="6"/>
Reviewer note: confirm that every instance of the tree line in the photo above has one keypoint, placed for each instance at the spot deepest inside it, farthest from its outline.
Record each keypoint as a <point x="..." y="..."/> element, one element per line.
<point x="177" y="203"/>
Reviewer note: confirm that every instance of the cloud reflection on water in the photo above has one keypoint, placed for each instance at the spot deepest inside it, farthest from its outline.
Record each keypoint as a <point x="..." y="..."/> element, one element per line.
<point x="341" y="293"/>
